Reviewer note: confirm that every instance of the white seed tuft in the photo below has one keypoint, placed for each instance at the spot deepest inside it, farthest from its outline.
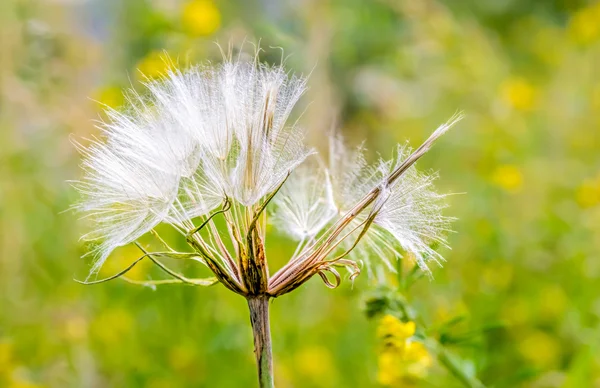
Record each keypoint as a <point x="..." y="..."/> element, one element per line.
<point x="305" y="205"/>
<point x="193" y="139"/>
<point x="219" y="135"/>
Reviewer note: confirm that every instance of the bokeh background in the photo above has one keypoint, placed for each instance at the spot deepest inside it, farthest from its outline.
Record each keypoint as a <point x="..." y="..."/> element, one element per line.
<point x="525" y="257"/>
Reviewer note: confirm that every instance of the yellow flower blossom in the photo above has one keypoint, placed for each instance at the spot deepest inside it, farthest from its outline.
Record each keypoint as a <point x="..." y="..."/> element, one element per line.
<point x="111" y="96"/>
<point x="401" y="367"/>
<point x="75" y="328"/>
<point x="540" y="348"/>
<point x="584" y="25"/>
<point x="388" y="371"/>
<point x="8" y="366"/>
<point x="401" y="359"/>
<point x="548" y="44"/>
<point x="153" y="65"/>
<point x="508" y="177"/>
<point x="417" y="359"/>
<point x="516" y="311"/>
<point x="519" y="94"/>
<point x="553" y="302"/>
<point x="6" y="350"/>
<point x="416" y="351"/>
<point x="588" y="194"/>
<point x="390" y="326"/>
<point x="200" y="18"/>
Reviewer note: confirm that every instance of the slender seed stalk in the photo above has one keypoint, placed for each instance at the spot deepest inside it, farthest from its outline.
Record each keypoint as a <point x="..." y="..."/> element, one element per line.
<point x="259" y="318"/>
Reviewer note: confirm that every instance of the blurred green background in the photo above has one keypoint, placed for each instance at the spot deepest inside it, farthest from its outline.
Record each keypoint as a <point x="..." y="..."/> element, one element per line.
<point x="527" y="157"/>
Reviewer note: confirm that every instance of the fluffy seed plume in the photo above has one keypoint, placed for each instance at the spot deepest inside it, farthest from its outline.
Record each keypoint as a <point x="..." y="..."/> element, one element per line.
<point x="217" y="141"/>
<point x="406" y="216"/>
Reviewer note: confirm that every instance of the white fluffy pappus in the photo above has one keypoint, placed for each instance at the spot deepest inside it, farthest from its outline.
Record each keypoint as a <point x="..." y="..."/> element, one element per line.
<point x="305" y="204"/>
<point x="408" y="210"/>
<point x="217" y="139"/>
<point x="194" y="138"/>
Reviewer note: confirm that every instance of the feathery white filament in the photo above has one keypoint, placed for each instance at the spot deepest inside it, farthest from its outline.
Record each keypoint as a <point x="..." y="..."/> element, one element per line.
<point x="195" y="138"/>
<point x="123" y="197"/>
<point x="412" y="213"/>
<point x="215" y="135"/>
<point x="350" y="174"/>
<point x="304" y="206"/>
<point x="408" y="210"/>
<point x="268" y="148"/>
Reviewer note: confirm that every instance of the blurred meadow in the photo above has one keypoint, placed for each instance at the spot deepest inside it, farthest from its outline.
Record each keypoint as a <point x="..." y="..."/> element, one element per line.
<point x="521" y="285"/>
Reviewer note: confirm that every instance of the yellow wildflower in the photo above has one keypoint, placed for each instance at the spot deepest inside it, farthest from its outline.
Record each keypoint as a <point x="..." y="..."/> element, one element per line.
<point x="110" y="96"/>
<point x="584" y="25"/>
<point x="553" y="302"/>
<point x="508" y="177"/>
<point x="416" y="351"/>
<point x="200" y="17"/>
<point x="153" y="65"/>
<point x="548" y="43"/>
<point x="75" y="328"/>
<point x="390" y="326"/>
<point x="6" y="352"/>
<point x="400" y="368"/>
<point x="588" y="194"/>
<point x="388" y="371"/>
<point x="540" y="348"/>
<point x="401" y="360"/>
<point x="519" y="94"/>
<point x="417" y="359"/>
<point x="516" y="311"/>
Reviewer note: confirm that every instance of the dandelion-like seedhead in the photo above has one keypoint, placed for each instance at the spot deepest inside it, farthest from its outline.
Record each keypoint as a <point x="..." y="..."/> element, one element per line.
<point x="216" y="140"/>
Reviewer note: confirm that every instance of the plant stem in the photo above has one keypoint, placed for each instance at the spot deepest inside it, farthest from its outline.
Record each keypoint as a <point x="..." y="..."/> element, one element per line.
<point x="467" y="381"/>
<point x="259" y="318"/>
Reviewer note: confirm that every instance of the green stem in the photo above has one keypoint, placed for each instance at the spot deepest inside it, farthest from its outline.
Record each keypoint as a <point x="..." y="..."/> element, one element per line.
<point x="259" y="318"/>
<point x="467" y="381"/>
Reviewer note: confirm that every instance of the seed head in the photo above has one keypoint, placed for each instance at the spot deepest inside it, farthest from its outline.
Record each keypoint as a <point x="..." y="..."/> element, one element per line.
<point x="215" y="140"/>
